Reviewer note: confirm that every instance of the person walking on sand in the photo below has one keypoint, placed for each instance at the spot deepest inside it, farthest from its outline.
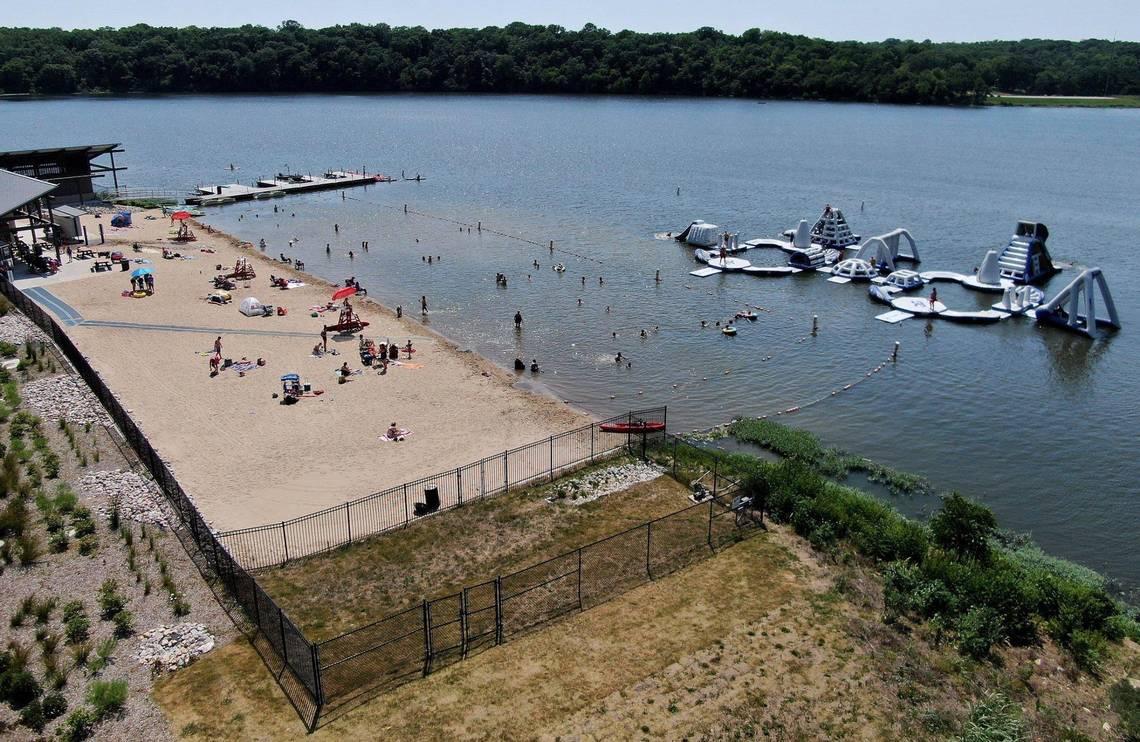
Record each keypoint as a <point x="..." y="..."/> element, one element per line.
<point x="518" y="320"/>
<point x="423" y="305"/>
<point x="218" y="345"/>
<point x="325" y="339"/>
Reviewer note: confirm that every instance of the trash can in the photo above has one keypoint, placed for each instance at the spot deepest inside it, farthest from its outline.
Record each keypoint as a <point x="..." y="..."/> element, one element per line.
<point x="126" y="264"/>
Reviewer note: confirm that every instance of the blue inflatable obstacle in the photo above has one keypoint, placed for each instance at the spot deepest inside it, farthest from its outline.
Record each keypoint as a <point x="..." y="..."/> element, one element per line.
<point x="122" y="219"/>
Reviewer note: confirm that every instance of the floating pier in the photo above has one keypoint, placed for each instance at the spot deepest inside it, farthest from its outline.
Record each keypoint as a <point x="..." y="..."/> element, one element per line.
<point x="282" y="185"/>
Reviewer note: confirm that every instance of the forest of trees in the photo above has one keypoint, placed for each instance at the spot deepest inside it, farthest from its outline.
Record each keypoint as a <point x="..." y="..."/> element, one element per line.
<point x="522" y="58"/>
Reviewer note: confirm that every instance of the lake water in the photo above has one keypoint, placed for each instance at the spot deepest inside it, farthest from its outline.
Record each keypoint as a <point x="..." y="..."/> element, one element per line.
<point x="1035" y="422"/>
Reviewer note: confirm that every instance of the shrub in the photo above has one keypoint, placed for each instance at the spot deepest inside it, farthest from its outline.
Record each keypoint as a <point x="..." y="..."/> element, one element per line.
<point x="7" y="350"/>
<point x="19" y="688"/>
<point x="106" y="697"/>
<point x="111" y="602"/>
<point x="28" y="548"/>
<point x="88" y="544"/>
<point x="81" y="651"/>
<point x="103" y="654"/>
<point x="77" y="727"/>
<point x="1125" y="701"/>
<point x="180" y="606"/>
<point x="42" y="610"/>
<point x="65" y="498"/>
<point x="32" y="716"/>
<point x="82" y="522"/>
<point x="58" y="541"/>
<point x="1088" y="649"/>
<point x="124" y="624"/>
<point x="964" y="527"/>
<point x="13" y="518"/>
<point x="51" y="465"/>
<point x="54" y="706"/>
<point x="978" y="630"/>
<point x="994" y="719"/>
<point x="78" y="628"/>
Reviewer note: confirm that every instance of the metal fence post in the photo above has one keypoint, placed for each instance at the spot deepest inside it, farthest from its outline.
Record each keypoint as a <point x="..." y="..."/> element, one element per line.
<point x="317" y="677"/>
<point x="579" y="578"/>
<point x="591" y="443"/>
<point x="348" y="519"/>
<point x="482" y="478"/>
<point x="498" y="610"/>
<point x="710" y="524"/>
<point x="551" y="458"/>
<point x="284" y="540"/>
<point x="674" y="458"/>
<point x="506" y="474"/>
<point x="407" y="512"/>
<point x="644" y="435"/>
<point x="284" y="644"/>
<point x="648" y="546"/>
<point x="459" y="484"/>
<point x="715" y="461"/>
<point x="463" y="623"/>
<point x="427" y="636"/>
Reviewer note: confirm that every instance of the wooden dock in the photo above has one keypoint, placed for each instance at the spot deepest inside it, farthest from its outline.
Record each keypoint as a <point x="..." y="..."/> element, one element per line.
<point x="280" y="186"/>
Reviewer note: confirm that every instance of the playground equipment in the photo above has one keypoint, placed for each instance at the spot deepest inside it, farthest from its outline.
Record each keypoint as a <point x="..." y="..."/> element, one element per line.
<point x="348" y="323"/>
<point x="243" y="270"/>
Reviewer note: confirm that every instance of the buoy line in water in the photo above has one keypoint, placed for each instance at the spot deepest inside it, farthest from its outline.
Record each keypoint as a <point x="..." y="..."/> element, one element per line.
<point x="681" y="386"/>
<point x="788" y="410"/>
<point x="479" y="226"/>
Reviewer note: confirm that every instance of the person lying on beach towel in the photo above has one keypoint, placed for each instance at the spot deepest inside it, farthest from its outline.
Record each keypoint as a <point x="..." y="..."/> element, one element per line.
<point x="395" y="434"/>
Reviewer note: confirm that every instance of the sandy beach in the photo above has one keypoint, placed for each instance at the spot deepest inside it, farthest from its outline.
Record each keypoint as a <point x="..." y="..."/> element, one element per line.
<point x="245" y="458"/>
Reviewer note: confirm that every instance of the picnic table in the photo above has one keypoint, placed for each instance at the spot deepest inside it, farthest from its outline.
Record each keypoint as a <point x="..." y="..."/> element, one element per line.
<point x="84" y="254"/>
<point x="101" y="265"/>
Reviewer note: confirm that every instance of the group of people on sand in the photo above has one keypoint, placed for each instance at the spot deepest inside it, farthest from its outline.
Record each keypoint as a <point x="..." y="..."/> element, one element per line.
<point x="144" y="283"/>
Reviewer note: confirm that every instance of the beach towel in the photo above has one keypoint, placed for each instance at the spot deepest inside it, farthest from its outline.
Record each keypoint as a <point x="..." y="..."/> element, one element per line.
<point x="243" y="366"/>
<point x="405" y="364"/>
<point x="404" y="433"/>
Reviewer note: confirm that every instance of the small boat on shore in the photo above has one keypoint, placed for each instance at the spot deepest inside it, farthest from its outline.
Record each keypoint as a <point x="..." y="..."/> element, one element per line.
<point x="638" y="426"/>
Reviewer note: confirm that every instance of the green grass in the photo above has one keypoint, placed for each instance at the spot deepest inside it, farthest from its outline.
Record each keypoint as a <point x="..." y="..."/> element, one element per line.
<point x="1123" y="101"/>
<point x="802" y="446"/>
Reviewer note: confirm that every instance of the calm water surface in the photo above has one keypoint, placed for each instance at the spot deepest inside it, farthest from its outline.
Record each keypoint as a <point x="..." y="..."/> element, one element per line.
<point x="1037" y="423"/>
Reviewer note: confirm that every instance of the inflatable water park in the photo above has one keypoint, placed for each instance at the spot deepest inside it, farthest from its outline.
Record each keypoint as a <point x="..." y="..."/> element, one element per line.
<point x="829" y="247"/>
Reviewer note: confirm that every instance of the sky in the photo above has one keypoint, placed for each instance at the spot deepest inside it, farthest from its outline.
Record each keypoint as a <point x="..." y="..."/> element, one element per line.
<point x="869" y="20"/>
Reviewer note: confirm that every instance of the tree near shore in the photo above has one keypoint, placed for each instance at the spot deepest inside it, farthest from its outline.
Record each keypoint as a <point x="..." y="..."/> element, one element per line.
<point x="521" y="58"/>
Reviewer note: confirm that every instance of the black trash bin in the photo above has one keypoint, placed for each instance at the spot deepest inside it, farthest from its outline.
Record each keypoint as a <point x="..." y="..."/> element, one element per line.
<point x="126" y="265"/>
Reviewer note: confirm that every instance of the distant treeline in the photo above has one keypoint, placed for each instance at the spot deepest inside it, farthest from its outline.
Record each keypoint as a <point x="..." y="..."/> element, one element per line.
<point x="549" y="59"/>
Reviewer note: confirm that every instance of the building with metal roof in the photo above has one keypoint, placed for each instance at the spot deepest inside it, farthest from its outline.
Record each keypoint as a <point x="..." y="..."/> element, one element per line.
<point x="73" y="169"/>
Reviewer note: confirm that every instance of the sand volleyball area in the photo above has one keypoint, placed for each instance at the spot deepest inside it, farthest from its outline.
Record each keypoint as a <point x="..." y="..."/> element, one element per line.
<point x="243" y="456"/>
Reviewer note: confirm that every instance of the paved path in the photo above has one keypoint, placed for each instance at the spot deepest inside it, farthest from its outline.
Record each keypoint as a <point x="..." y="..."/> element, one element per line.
<point x="69" y="316"/>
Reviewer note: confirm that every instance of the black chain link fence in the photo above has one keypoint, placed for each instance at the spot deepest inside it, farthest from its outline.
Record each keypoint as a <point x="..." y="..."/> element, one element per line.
<point x="318" y="678"/>
<point x="289" y="655"/>
<point x="440" y="632"/>
<point x="278" y="543"/>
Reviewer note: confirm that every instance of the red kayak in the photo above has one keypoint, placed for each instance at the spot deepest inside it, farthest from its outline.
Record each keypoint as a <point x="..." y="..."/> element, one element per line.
<point x="648" y="426"/>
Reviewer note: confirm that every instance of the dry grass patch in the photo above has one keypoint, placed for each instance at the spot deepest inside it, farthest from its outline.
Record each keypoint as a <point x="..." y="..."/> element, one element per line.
<point x="331" y="593"/>
<point x="516" y="690"/>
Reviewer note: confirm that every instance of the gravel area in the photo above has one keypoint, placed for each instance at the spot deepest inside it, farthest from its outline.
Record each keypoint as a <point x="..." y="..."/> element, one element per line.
<point x="70" y="576"/>
<point x="136" y="497"/>
<point x="15" y="328"/>
<point x="596" y="484"/>
<point x="64" y="396"/>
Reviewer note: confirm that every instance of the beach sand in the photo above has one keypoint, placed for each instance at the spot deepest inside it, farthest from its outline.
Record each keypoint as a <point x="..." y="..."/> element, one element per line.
<point x="248" y="460"/>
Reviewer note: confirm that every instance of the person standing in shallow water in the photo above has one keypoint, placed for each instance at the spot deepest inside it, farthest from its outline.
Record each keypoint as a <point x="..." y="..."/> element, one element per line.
<point x="518" y="320"/>
<point x="423" y="305"/>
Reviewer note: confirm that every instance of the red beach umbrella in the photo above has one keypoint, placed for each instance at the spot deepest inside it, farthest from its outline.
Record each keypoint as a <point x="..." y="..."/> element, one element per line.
<point x="179" y="216"/>
<point x="344" y="293"/>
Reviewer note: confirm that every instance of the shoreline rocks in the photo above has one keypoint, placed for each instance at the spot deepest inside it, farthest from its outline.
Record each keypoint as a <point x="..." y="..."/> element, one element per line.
<point x="135" y="496"/>
<point x="64" y="396"/>
<point x="174" y="646"/>
<point x="597" y="484"/>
